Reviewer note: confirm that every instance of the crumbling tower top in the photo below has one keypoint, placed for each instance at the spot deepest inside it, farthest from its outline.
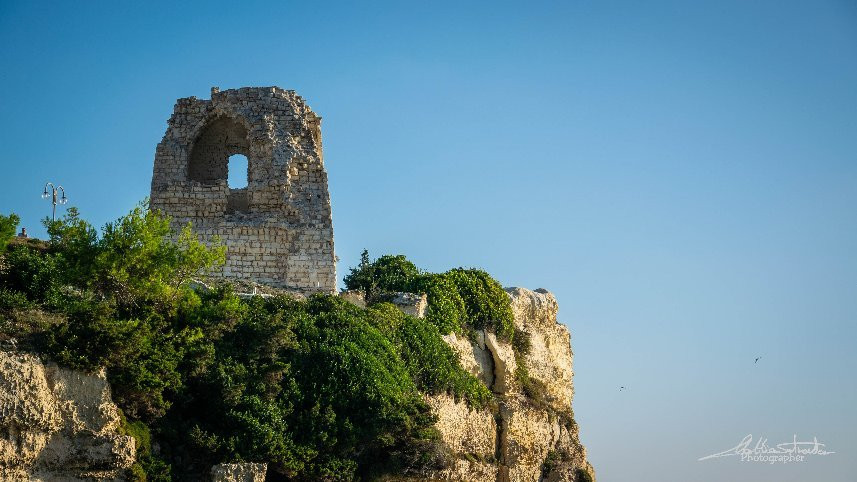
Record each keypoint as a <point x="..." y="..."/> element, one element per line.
<point x="278" y="229"/>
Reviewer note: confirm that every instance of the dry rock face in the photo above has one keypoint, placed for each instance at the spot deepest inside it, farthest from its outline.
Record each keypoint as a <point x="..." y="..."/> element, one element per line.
<point x="278" y="230"/>
<point x="58" y="424"/>
<point x="410" y="304"/>
<point x="526" y="440"/>
<point x="245" y="472"/>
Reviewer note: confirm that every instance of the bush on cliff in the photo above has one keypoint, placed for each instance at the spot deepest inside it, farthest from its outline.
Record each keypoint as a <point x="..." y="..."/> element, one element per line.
<point x="319" y="389"/>
<point x="458" y="300"/>
<point x="118" y="294"/>
<point x="386" y="274"/>
<point x="8" y="228"/>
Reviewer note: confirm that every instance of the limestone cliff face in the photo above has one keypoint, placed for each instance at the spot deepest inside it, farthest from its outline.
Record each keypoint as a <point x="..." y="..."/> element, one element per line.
<point x="532" y="437"/>
<point x="58" y="424"/>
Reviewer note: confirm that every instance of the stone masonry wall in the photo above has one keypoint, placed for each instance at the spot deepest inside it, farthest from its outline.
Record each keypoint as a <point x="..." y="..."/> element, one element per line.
<point x="278" y="230"/>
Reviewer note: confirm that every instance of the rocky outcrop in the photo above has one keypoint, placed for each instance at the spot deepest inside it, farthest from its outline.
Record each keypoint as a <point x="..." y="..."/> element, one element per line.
<point x="532" y="436"/>
<point x="409" y="303"/>
<point x="58" y="424"/>
<point x="245" y="472"/>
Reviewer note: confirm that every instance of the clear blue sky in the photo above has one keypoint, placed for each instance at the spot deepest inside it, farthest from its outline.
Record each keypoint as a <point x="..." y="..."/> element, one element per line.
<point x="682" y="175"/>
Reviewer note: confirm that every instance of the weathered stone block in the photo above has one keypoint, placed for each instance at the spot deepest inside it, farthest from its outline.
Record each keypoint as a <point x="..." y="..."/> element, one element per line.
<point x="244" y="472"/>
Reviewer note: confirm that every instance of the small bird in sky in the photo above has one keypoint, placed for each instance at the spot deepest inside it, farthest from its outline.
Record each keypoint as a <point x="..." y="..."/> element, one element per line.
<point x="621" y="388"/>
<point x="757" y="360"/>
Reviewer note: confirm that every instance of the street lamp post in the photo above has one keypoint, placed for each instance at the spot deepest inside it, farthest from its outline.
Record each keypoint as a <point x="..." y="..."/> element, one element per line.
<point x="54" y="190"/>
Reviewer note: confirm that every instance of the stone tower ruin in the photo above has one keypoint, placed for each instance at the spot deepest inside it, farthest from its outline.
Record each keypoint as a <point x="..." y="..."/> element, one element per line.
<point x="278" y="230"/>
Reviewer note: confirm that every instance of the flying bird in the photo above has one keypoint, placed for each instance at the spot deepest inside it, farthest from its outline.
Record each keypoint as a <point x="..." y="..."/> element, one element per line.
<point x="621" y="388"/>
<point x="757" y="360"/>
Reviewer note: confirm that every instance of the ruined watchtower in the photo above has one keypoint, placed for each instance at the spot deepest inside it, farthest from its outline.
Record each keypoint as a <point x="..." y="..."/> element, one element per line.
<point x="278" y="230"/>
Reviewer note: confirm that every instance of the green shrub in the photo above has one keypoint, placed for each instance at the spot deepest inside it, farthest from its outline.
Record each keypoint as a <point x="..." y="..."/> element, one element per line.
<point x="445" y="307"/>
<point x="581" y="475"/>
<point x="149" y="466"/>
<point x="34" y="274"/>
<point x="432" y="363"/>
<point x="319" y="389"/>
<point x="521" y="342"/>
<point x="140" y="433"/>
<point x="362" y="276"/>
<point x="8" y="229"/>
<point x="533" y="388"/>
<point x="119" y="295"/>
<point x="458" y="300"/>
<point x="393" y="272"/>
<point x="14" y="300"/>
<point x="142" y="357"/>
<point x="486" y="303"/>
<point x="552" y="460"/>
<point x="386" y="274"/>
<point x="137" y="259"/>
<point x="77" y="240"/>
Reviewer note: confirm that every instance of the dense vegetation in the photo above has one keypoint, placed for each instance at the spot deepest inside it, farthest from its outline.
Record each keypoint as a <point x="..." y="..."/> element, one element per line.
<point x="8" y="227"/>
<point x="459" y="299"/>
<point x="320" y="389"/>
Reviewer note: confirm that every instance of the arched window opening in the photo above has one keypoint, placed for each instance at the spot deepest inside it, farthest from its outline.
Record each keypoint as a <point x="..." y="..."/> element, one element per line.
<point x="238" y="167"/>
<point x="209" y="158"/>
